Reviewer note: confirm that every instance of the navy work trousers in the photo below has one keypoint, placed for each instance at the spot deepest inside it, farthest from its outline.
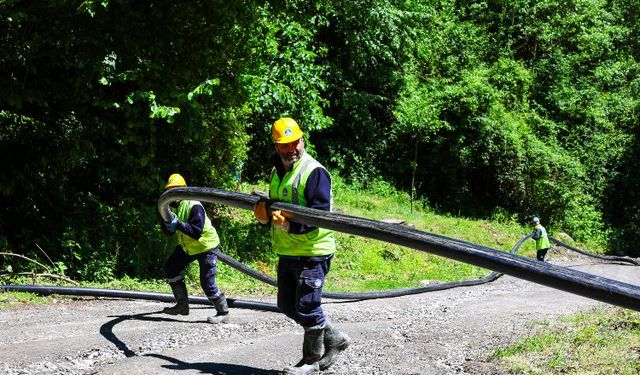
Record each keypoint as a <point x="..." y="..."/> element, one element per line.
<point x="300" y="283"/>
<point x="179" y="260"/>
<point x="540" y="254"/>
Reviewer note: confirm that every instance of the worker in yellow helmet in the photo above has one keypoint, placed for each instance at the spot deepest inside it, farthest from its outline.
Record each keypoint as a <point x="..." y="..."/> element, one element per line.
<point x="196" y="239"/>
<point x="304" y="251"/>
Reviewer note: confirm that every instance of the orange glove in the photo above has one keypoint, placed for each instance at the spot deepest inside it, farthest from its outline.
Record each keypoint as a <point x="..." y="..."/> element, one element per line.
<point x="260" y="212"/>
<point x="279" y="221"/>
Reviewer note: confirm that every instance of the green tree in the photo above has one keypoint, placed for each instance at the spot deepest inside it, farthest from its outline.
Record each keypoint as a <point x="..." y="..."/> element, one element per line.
<point x="525" y="105"/>
<point x="367" y="43"/>
<point x="101" y="101"/>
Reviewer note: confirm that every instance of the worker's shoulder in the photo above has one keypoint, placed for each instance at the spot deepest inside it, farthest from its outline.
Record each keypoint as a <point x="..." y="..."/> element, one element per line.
<point x="194" y="204"/>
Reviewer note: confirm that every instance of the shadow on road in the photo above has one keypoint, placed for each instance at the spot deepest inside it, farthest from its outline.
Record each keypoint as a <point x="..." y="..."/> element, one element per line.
<point x="106" y="330"/>
<point x="213" y="368"/>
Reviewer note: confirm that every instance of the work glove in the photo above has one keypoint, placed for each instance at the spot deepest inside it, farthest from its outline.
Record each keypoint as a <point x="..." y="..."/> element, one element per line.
<point x="172" y="226"/>
<point x="260" y="212"/>
<point x="279" y="221"/>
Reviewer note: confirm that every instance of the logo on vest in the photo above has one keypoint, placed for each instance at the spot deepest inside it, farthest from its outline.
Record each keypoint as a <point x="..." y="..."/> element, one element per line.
<point x="285" y="192"/>
<point x="317" y="283"/>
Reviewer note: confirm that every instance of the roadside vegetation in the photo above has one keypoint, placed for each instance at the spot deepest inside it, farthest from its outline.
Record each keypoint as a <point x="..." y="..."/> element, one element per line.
<point x="603" y="341"/>
<point x="20" y="298"/>
<point x="361" y="264"/>
<point x="479" y="109"/>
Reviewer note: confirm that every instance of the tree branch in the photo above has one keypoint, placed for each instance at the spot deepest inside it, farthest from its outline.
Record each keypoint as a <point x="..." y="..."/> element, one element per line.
<point x="29" y="259"/>
<point x="51" y="275"/>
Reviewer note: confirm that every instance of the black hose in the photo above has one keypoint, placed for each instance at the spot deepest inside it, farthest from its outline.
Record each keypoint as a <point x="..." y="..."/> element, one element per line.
<point x="47" y="290"/>
<point x="573" y="281"/>
<point x="610" y="258"/>
<point x="114" y="293"/>
<point x="235" y="303"/>
<point x="229" y="260"/>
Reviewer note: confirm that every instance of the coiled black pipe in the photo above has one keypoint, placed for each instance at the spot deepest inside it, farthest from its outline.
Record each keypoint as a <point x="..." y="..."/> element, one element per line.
<point x="114" y="293"/>
<point x="573" y="281"/>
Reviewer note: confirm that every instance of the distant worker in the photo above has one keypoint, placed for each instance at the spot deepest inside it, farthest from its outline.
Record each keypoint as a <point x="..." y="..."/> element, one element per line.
<point x="542" y="240"/>
<point x="304" y="251"/>
<point x="195" y="239"/>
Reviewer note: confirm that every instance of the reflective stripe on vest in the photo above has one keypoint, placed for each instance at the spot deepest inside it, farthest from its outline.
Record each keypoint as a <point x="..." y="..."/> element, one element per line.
<point x="209" y="238"/>
<point x="290" y="189"/>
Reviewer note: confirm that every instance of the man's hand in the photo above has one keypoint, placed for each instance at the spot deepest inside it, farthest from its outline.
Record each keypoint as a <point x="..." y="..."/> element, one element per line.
<point x="172" y="226"/>
<point x="279" y="221"/>
<point x="260" y="212"/>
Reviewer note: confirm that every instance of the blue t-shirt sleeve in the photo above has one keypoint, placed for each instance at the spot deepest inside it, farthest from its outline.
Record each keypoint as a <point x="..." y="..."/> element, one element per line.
<point x="536" y="234"/>
<point x="195" y="225"/>
<point x="317" y="193"/>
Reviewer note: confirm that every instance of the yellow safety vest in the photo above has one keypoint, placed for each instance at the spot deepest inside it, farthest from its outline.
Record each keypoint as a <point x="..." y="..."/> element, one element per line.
<point x="543" y="241"/>
<point x="207" y="241"/>
<point x="290" y="189"/>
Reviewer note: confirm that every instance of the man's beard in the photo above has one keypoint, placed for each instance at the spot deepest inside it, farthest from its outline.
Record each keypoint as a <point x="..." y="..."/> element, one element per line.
<point x="291" y="158"/>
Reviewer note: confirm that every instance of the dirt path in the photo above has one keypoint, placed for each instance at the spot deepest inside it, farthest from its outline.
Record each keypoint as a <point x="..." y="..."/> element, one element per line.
<point x="446" y="332"/>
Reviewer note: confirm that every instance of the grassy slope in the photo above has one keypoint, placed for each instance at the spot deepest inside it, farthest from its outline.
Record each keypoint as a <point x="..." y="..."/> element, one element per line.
<point x="366" y="264"/>
<point x="363" y="264"/>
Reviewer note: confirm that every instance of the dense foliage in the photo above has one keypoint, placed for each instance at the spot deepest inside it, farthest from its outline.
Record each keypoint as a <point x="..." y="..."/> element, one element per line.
<point x="486" y="108"/>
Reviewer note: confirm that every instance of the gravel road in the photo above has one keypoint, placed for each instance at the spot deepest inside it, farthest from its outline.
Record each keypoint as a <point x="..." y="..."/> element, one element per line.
<point x="445" y="332"/>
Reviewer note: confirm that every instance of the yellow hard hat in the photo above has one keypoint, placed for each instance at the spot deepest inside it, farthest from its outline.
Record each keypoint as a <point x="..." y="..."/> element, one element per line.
<point x="175" y="180"/>
<point x="285" y="130"/>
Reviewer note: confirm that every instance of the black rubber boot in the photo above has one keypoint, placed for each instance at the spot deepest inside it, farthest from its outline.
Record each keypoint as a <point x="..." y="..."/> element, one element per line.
<point x="334" y="342"/>
<point x="223" y="311"/>
<point x="182" y="300"/>
<point x="311" y="353"/>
